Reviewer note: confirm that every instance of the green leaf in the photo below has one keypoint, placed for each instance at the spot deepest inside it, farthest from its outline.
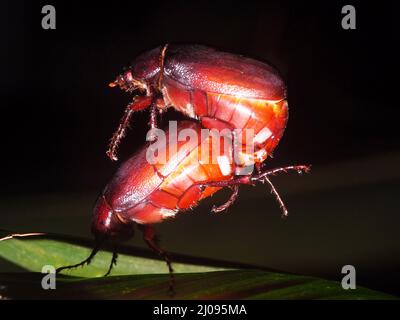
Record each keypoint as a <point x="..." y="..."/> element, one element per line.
<point x="138" y="276"/>
<point x="32" y="254"/>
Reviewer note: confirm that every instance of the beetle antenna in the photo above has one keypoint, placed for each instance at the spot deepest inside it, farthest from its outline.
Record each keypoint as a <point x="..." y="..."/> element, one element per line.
<point x="231" y="200"/>
<point x="113" y="262"/>
<point x="22" y="235"/>
<point x="87" y="261"/>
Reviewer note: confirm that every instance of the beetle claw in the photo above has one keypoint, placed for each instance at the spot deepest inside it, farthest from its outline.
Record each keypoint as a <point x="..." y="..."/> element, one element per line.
<point x="111" y="155"/>
<point x="113" y="84"/>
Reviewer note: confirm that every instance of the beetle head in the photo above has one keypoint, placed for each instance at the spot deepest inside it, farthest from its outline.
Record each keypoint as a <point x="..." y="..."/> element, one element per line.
<point x="128" y="83"/>
<point x="107" y="226"/>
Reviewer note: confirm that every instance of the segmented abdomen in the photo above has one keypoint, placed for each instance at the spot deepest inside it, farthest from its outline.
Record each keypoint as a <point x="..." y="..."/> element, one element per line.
<point x="181" y="188"/>
<point x="266" y="118"/>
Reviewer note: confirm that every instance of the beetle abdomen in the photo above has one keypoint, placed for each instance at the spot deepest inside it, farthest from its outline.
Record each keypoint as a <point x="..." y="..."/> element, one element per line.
<point x="181" y="189"/>
<point x="180" y="176"/>
<point x="267" y="119"/>
<point x="183" y="186"/>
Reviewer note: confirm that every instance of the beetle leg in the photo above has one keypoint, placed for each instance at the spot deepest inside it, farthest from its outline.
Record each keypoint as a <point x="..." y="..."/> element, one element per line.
<point x="87" y="261"/>
<point x="113" y="262"/>
<point x="139" y="103"/>
<point x="155" y="109"/>
<point x="231" y="200"/>
<point x="259" y="166"/>
<point x="278" y="198"/>
<point x="153" y="121"/>
<point x="149" y="237"/>
<point x="262" y="177"/>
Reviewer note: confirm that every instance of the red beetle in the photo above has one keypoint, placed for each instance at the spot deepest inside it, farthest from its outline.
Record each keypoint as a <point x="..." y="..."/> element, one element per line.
<point x="221" y="90"/>
<point x="144" y="192"/>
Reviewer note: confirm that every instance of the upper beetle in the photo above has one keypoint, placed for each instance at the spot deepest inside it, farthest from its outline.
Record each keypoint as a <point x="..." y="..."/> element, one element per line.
<point x="220" y="89"/>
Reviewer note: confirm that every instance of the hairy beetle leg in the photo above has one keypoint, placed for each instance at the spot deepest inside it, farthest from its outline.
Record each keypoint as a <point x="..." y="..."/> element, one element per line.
<point x="261" y="176"/>
<point x="139" y="103"/>
<point x="231" y="200"/>
<point x="113" y="262"/>
<point x="150" y="238"/>
<point x="87" y="261"/>
<point x="153" y="122"/>
<point x="278" y="198"/>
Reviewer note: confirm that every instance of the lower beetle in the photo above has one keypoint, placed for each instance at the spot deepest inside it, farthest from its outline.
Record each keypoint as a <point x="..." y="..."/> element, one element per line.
<point x="144" y="192"/>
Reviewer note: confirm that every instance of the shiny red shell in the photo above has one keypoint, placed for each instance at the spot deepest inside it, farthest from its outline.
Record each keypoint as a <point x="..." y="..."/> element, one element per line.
<point x="149" y="193"/>
<point x="222" y="90"/>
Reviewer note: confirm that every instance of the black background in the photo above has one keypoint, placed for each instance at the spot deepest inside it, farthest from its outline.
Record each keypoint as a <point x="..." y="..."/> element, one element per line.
<point x="58" y="114"/>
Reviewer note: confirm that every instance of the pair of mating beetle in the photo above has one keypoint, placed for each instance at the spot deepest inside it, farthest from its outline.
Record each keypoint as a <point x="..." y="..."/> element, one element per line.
<point x="217" y="90"/>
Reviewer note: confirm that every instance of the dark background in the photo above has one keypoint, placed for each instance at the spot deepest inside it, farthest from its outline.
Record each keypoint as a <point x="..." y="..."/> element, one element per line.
<point x="58" y="115"/>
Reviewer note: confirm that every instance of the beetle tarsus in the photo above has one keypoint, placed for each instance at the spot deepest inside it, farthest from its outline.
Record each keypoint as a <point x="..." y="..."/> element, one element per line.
<point x="113" y="262"/>
<point x="87" y="261"/>
<point x="231" y="200"/>
<point x="119" y="134"/>
<point x="263" y="177"/>
<point x="137" y="104"/>
<point x="278" y="198"/>
<point x="251" y="180"/>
